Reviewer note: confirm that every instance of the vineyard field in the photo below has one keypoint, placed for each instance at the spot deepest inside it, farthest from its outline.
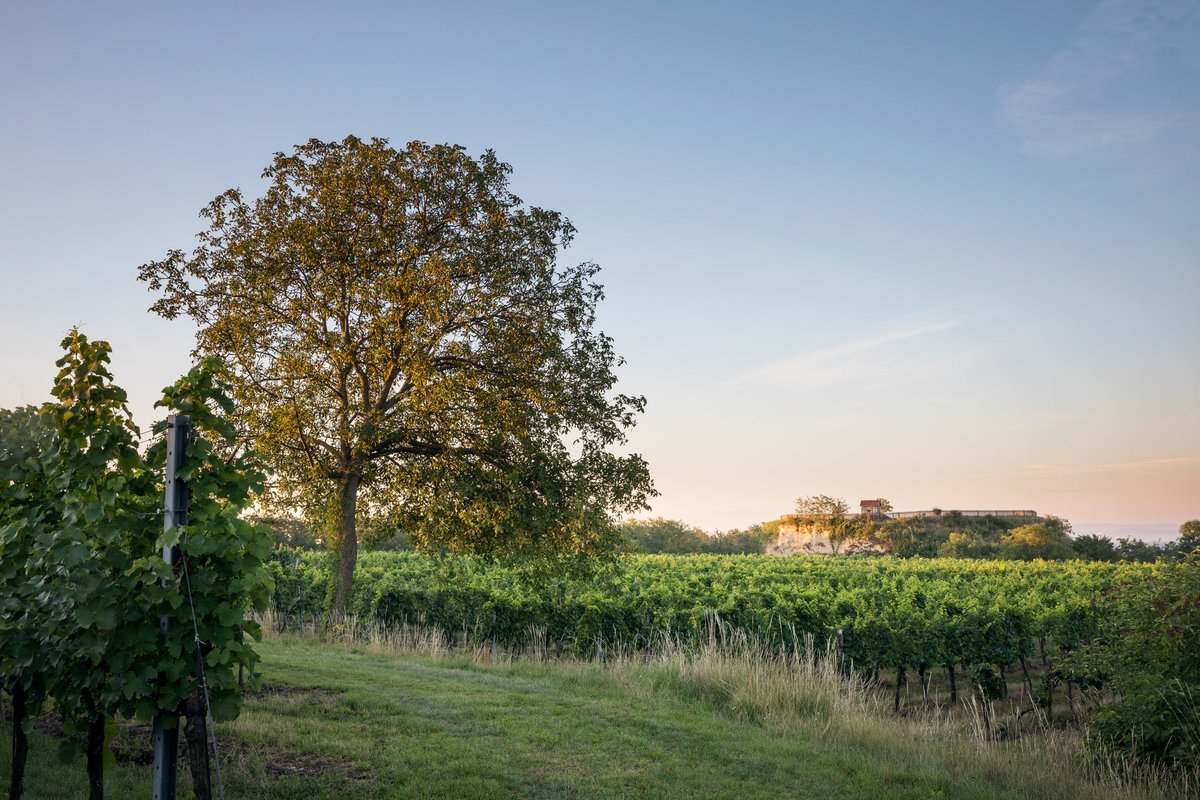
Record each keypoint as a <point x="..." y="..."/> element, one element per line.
<point x="885" y="613"/>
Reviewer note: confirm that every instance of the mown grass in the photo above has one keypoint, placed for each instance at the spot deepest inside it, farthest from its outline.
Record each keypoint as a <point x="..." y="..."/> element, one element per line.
<point x="382" y="719"/>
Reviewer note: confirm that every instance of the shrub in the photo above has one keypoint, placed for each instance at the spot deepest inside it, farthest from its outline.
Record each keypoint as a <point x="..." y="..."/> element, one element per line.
<point x="1148" y="654"/>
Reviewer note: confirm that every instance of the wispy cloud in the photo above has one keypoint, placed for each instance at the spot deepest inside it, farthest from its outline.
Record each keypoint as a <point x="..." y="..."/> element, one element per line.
<point x="872" y="358"/>
<point x="1119" y="81"/>
<point x="1148" y="465"/>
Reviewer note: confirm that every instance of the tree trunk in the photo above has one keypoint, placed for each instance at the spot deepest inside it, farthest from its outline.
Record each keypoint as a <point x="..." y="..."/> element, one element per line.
<point x="1028" y="681"/>
<point x="899" y="680"/>
<point x="196" y="733"/>
<point x="20" y="743"/>
<point x="953" y="685"/>
<point x="348" y="556"/>
<point x="95" y="757"/>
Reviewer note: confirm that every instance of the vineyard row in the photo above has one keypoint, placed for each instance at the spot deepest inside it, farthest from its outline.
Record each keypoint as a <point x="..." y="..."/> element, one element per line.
<point x="915" y="613"/>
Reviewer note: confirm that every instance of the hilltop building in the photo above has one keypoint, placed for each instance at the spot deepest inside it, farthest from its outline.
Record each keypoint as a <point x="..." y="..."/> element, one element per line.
<point x="871" y="508"/>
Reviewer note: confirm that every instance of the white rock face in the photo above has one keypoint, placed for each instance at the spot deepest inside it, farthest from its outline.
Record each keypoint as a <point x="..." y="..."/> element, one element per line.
<point x="799" y="536"/>
<point x="805" y="540"/>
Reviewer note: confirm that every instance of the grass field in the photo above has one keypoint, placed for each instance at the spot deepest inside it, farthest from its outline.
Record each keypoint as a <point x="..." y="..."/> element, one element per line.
<point x="367" y="720"/>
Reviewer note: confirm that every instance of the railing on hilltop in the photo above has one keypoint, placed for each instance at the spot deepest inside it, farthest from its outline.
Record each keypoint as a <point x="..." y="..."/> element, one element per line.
<point x="945" y="513"/>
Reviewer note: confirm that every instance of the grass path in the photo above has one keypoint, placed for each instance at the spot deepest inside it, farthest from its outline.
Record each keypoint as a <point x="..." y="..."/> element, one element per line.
<point x="338" y="722"/>
<point x="456" y="730"/>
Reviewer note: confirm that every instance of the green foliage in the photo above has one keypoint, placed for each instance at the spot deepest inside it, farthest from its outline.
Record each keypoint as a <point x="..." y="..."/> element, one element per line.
<point x="221" y="552"/>
<point x="948" y="534"/>
<point x="404" y="344"/>
<point x="98" y="651"/>
<point x="661" y="535"/>
<point x="1050" y="540"/>
<point x="967" y="545"/>
<point x="829" y="513"/>
<point x="822" y="505"/>
<point x="1147" y="649"/>
<point x="892" y="612"/>
<point x="1093" y="547"/>
<point x="28" y="514"/>
<point x="988" y="683"/>
<point x="289" y="532"/>
<point x="909" y="537"/>
<point x="82" y="580"/>
<point x="1139" y="551"/>
<point x="741" y="541"/>
<point x="1189" y="538"/>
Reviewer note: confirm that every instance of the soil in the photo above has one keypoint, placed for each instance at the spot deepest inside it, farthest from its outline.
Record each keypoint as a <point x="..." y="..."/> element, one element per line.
<point x="133" y="743"/>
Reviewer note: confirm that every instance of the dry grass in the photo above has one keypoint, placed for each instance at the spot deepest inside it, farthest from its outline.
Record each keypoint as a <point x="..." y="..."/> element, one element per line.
<point x="807" y="693"/>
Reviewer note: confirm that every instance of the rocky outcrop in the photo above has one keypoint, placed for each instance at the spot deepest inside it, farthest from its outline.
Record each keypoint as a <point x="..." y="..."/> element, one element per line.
<point x="799" y="535"/>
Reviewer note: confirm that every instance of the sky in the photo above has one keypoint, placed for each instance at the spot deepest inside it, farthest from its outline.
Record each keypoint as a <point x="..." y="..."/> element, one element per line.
<point x="944" y="253"/>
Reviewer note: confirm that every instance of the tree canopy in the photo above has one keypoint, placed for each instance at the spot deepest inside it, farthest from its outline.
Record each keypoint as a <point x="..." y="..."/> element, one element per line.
<point x="404" y="343"/>
<point x="1189" y="537"/>
<point x="1049" y="540"/>
<point x="822" y="505"/>
<point x="831" y="513"/>
<point x="661" y="535"/>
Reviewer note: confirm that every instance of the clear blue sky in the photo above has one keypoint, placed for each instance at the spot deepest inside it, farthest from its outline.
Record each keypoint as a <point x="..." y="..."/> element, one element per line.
<point x="946" y="253"/>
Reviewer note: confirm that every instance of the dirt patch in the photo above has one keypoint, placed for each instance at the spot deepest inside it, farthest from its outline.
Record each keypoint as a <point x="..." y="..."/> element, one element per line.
<point x="134" y="744"/>
<point x="284" y="690"/>
<point x="50" y="724"/>
<point x="282" y="762"/>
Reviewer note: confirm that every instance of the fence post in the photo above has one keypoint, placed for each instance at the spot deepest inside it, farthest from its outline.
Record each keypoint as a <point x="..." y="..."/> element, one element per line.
<point x="175" y="507"/>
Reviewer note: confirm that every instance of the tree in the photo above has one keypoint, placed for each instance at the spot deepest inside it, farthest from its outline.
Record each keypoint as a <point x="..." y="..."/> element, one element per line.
<point x="661" y="535"/>
<point x="818" y="505"/>
<point x="741" y="541"/>
<point x="1049" y="540"/>
<point x="959" y="544"/>
<point x="404" y="344"/>
<point x="909" y="537"/>
<point x="1137" y="550"/>
<point x="831" y="513"/>
<point x="1094" y="547"/>
<point x="1189" y="537"/>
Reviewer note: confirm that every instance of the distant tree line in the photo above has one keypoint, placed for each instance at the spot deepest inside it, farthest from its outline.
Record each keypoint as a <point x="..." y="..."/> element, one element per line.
<point x="661" y="535"/>
<point x="375" y="534"/>
<point x="950" y="534"/>
<point x="954" y="536"/>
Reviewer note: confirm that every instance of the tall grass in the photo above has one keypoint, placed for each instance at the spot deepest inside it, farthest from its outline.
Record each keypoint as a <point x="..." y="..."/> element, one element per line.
<point x="807" y="692"/>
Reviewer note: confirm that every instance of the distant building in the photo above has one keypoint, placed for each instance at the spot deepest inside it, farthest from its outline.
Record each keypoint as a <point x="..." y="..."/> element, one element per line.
<point x="870" y="508"/>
